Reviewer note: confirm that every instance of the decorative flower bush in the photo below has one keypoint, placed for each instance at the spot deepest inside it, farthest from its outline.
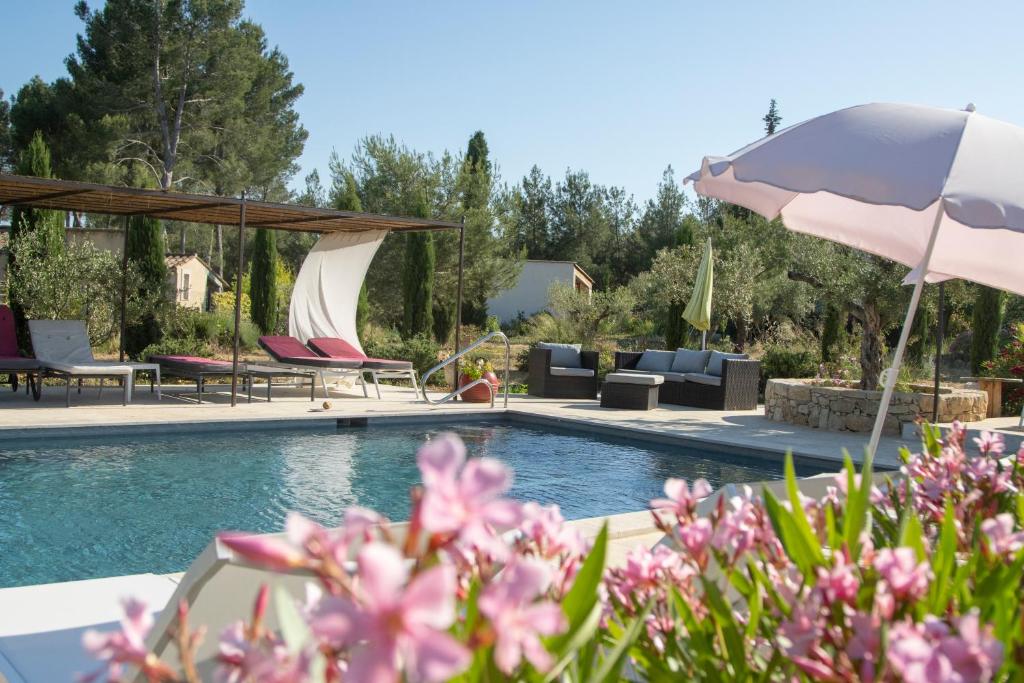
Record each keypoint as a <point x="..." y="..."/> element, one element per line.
<point x="915" y="578"/>
<point x="1009" y="363"/>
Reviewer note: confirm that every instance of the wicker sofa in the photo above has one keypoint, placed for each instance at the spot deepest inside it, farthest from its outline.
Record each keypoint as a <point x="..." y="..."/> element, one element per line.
<point x="733" y="387"/>
<point x="571" y="379"/>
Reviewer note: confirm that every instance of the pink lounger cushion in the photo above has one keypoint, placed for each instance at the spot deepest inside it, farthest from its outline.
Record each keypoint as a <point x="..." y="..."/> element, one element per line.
<point x="333" y="347"/>
<point x="8" y="334"/>
<point x="290" y="350"/>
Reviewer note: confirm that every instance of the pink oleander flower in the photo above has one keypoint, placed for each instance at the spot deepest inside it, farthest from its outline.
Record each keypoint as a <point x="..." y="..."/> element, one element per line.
<point x="546" y="528"/>
<point x="928" y="652"/>
<point x="266" y="660"/>
<point x="839" y="583"/>
<point x="905" y="577"/>
<point x="802" y="630"/>
<point x="392" y="628"/>
<point x="680" y="498"/>
<point x="1002" y="539"/>
<point x="518" y="620"/>
<point x="990" y="443"/>
<point x="127" y="646"/>
<point x="320" y="542"/>
<point x="464" y="498"/>
<point x="264" y="550"/>
<point x="696" y="536"/>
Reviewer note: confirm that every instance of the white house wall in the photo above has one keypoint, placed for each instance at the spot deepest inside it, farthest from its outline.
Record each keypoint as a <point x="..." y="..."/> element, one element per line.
<point x="530" y="293"/>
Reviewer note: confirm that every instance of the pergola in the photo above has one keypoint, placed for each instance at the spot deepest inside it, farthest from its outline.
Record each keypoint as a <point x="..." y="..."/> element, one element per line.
<point x="68" y="195"/>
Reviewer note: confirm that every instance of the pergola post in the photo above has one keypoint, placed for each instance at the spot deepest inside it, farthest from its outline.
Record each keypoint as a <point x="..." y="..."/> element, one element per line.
<point x="458" y="296"/>
<point x="238" y="301"/>
<point x="124" y="288"/>
<point x="939" y="333"/>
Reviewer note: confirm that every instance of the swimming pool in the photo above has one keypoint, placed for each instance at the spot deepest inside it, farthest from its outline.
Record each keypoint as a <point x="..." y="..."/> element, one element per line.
<point x="123" y="505"/>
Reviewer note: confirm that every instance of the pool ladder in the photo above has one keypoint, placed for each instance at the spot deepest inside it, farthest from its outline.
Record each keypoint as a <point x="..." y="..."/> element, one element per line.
<point x="459" y="390"/>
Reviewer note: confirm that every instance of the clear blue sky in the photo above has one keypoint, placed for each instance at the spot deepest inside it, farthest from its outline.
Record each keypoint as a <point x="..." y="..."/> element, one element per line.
<point x="620" y="89"/>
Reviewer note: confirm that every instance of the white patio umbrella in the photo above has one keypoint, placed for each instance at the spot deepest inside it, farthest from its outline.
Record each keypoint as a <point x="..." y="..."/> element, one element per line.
<point x="939" y="190"/>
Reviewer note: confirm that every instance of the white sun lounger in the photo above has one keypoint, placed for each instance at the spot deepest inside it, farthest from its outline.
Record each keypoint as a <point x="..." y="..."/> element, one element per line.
<point x="62" y="348"/>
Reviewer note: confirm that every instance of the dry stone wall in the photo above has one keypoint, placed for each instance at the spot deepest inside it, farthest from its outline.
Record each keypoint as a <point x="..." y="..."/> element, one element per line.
<point x="802" y="402"/>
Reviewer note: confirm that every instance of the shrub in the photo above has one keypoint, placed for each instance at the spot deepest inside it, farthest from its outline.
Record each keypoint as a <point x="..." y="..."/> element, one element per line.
<point x="423" y="352"/>
<point x="781" y="362"/>
<point x="177" y="346"/>
<point x="492" y="324"/>
<point x="986" y="323"/>
<point x="914" y="579"/>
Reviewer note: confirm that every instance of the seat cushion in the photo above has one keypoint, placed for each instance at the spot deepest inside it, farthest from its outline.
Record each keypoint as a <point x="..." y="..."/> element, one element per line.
<point x="716" y="359"/>
<point x="702" y="378"/>
<point x="643" y="379"/>
<point x="334" y="347"/>
<point x="563" y="355"/>
<point x="94" y="369"/>
<point x="386" y="364"/>
<point x="194" y="363"/>
<point x="571" y="372"/>
<point x="283" y="346"/>
<point x="687" y="360"/>
<point x="656" y="361"/>
<point x="60" y="341"/>
<point x="18" y="363"/>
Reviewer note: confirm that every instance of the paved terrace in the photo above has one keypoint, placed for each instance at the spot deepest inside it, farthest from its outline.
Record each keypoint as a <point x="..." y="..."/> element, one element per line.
<point x="746" y="431"/>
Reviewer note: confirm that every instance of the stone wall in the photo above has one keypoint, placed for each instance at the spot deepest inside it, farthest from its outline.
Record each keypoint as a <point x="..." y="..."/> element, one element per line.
<point x="802" y="402"/>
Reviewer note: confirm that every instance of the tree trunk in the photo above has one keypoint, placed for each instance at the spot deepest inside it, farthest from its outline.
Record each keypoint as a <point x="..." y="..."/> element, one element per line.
<point x="741" y="334"/>
<point x="182" y="238"/>
<point x="870" y="348"/>
<point x="220" y="251"/>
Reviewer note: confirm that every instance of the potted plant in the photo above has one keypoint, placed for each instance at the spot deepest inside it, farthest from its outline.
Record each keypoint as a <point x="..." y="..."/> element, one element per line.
<point x="472" y="371"/>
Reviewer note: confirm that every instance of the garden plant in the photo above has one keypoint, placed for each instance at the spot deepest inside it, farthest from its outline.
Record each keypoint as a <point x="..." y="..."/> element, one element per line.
<point x="915" y="576"/>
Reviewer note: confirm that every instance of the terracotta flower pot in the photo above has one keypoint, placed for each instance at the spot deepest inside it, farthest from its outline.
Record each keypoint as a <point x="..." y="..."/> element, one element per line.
<point x="479" y="393"/>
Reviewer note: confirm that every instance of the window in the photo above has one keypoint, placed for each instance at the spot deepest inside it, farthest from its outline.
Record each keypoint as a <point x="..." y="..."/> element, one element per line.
<point x="185" y="284"/>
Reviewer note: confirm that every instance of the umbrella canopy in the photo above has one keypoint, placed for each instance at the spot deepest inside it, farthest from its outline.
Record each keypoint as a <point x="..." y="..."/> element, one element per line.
<point x="698" y="310"/>
<point x="939" y="190"/>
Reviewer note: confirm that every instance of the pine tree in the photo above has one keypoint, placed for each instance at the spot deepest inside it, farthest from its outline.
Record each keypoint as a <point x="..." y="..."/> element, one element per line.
<point x="145" y="250"/>
<point x="34" y="160"/>
<point x="263" y="281"/>
<point x="772" y="119"/>
<point x="418" y="280"/>
<point x="987" y="321"/>
<point x="830" y="332"/>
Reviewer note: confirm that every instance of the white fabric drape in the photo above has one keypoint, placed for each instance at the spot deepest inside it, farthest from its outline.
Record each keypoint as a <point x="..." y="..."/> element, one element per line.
<point x="327" y="287"/>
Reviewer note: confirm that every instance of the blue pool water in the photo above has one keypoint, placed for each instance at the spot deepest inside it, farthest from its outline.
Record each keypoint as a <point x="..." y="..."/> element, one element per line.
<point x="92" y="508"/>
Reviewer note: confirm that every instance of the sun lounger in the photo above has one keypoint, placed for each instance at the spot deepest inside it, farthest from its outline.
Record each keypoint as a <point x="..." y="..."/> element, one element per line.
<point x="379" y="368"/>
<point x="291" y="353"/>
<point x="12" y="361"/>
<point x="199" y="370"/>
<point x="62" y="349"/>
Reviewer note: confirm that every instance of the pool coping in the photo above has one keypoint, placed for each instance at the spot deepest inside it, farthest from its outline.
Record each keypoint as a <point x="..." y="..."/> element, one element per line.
<point x="318" y="421"/>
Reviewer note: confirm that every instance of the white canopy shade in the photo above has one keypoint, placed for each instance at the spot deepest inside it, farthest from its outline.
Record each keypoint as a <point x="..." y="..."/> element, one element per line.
<point x="939" y="190"/>
<point x="876" y="177"/>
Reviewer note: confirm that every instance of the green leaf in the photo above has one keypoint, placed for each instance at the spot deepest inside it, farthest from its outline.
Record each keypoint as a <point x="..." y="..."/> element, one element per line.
<point x="855" y="519"/>
<point x="799" y="517"/>
<point x="943" y="561"/>
<point x="293" y="629"/>
<point x="793" y="541"/>
<point x="911" y="533"/>
<point x="728" y="631"/>
<point x="611" y="665"/>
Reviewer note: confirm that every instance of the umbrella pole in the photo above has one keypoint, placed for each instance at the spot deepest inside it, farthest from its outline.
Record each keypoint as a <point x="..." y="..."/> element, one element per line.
<point x="897" y="359"/>
<point x="939" y="333"/>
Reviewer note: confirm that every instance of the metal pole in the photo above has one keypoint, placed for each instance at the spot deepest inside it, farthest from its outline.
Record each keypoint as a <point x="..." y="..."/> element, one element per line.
<point x="124" y="287"/>
<point x="238" y="301"/>
<point x="458" y="297"/>
<point x="939" y="334"/>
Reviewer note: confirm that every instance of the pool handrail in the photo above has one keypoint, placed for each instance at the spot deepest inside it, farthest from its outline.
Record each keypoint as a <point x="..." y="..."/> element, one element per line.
<point x="451" y="359"/>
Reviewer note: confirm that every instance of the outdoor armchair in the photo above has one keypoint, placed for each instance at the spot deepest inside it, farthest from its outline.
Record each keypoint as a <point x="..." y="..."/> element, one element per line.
<point x="562" y="371"/>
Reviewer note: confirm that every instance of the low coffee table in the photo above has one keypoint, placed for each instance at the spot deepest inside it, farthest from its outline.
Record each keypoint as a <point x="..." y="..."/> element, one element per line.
<point x="630" y="391"/>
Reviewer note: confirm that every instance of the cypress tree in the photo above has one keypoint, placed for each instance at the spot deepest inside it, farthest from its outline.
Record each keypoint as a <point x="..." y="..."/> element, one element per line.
<point x="362" y="311"/>
<point x="675" y="326"/>
<point x="987" y="321"/>
<point x="263" y="281"/>
<point x="34" y="160"/>
<point x="830" y="333"/>
<point x="145" y="250"/>
<point x="418" y="280"/>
